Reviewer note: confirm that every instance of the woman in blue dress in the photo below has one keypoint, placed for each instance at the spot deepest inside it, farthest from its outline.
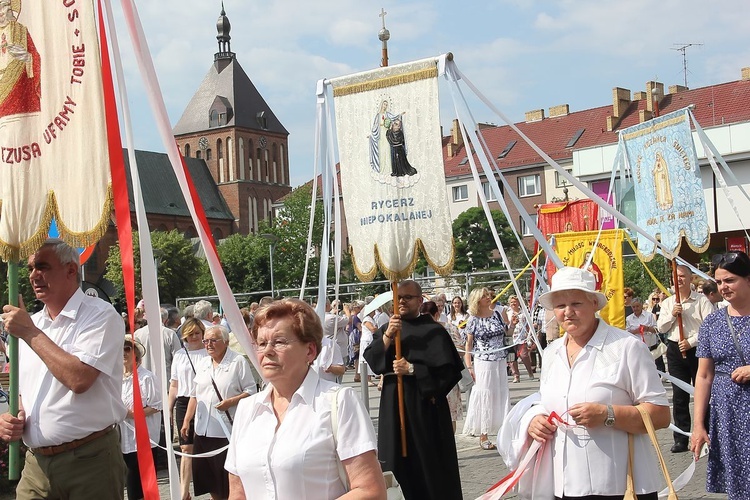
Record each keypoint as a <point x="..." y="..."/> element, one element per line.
<point x="723" y="382"/>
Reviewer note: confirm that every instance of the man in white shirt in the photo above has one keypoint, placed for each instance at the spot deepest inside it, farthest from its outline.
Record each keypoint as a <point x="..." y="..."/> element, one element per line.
<point x="204" y="311"/>
<point x="693" y="307"/>
<point x="70" y="362"/>
<point x="334" y="327"/>
<point x="642" y="324"/>
<point x="711" y="291"/>
<point x="170" y="341"/>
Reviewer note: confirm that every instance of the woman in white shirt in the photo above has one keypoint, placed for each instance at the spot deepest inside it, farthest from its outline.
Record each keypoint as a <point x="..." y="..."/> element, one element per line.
<point x="182" y="385"/>
<point x="151" y="401"/>
<point x="222" y="379"/>
<point x="283" y="444"/>
<point x="592" y="378"/>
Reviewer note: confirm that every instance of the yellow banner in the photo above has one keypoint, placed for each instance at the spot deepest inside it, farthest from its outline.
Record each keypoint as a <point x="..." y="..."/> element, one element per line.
<point x="574" y="250"/>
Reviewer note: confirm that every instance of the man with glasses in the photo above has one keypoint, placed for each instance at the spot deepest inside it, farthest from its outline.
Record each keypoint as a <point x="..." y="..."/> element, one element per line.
<point x="70" y="384"/>
<point x="681" y="360"/>
<point x="430" y="367"/>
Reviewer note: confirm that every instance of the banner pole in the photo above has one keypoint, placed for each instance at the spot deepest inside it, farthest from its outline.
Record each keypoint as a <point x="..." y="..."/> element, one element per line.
<point x="401" y="408"/>
<point x="14" y="466"/>
<point x="677" y="300"/>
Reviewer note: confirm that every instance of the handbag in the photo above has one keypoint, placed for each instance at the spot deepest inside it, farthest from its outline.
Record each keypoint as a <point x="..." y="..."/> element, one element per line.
<point x="659" y="350"/>
<point x="466" y="380"/>
<point x="629" y="483"/>
<point x="393" y="489"/>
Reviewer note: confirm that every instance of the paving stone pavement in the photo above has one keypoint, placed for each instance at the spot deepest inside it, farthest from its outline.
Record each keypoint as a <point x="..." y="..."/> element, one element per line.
<point x="481" y="469"/>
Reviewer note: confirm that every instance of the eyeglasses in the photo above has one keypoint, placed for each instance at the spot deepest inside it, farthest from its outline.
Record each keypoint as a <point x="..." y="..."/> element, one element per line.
<point x="278" y="344"/>
<point x="408" y="297"/>
<point x="211" y="341"/>
<point x="655" y="299"/>
<point x="724" y="258"/>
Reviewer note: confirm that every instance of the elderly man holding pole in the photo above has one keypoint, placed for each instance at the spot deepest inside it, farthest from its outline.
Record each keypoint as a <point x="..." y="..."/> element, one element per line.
<point x="70" y="360"/>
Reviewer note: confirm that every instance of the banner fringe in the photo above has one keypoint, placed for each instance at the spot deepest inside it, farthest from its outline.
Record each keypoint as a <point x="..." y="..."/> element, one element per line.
<point x="398" y="275"/>
<point x="382" y="83"/>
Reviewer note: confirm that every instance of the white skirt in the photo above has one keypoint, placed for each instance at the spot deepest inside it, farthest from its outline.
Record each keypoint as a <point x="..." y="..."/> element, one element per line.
<point x="490" y="400"/>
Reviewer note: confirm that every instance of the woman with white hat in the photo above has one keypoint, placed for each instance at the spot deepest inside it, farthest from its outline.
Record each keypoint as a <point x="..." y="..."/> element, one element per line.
<point x="593" y="378"/>
<point x="152" y="405"/>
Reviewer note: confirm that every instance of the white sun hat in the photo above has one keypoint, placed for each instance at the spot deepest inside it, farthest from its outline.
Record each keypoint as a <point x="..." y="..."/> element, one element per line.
<point x="572" y="278"/>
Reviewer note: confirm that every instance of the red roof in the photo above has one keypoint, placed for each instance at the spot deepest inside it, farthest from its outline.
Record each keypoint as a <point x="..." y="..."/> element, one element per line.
<point x="715" y="105"/>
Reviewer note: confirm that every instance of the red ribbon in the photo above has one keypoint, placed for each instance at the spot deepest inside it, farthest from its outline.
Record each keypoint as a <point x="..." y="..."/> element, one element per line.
<point x="124" y="233"/>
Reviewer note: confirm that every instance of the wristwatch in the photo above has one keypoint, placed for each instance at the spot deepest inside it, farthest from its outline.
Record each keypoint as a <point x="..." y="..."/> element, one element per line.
<point x="411" y="369"/>
<point x="610" y="421"/>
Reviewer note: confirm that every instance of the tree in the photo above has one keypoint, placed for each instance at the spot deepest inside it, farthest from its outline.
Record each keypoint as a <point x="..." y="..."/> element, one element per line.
<point x="291" y="226"/>
<point x="177" y="271"/>
<point x="474" y="241"/>
<point x="24" y="287"/>
<point x="245" y="262"/>
<point x="636" y="277"/>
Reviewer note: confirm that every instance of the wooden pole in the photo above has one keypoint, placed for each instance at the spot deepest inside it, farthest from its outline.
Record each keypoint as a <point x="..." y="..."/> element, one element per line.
<point x="401" y="407"/>
<point x="14" y="466"/>
<point x="678" y="301"/>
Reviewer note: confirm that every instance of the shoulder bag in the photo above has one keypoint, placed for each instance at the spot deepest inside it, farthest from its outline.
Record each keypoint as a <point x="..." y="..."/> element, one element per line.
<point x="393" y="489"/>
<point x="734" y="337"/>
<point x="629" y="484"/>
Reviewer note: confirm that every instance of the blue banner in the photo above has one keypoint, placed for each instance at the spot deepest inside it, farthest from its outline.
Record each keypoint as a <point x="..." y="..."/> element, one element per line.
<point x="668" y="191"/>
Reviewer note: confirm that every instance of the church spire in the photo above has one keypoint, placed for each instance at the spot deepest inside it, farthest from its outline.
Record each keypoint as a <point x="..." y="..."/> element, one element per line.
<point x="225" y="55"/>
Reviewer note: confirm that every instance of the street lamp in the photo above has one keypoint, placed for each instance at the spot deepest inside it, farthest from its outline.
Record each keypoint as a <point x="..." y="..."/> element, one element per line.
<point x="272" y="239"/>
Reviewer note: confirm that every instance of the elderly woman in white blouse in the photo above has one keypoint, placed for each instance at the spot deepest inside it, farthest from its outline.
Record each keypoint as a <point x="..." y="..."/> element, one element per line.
<point x="593" y="377"/>
<point x="283" y="444"/>
<point x="222" y="379"/>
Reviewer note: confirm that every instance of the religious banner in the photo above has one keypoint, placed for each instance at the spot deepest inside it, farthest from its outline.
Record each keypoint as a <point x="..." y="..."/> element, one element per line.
<point x="575" y="249"/>
<point x="579" y="215"/>
<point x="667" y="183"/>
<point x="53" y="146"/>
<point x="392" y="175"/>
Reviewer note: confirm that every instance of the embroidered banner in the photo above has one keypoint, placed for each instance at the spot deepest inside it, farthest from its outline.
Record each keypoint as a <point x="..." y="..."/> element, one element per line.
<point x="392" y="175"/>
<point x="668" y="189"/>
<point x="53" y="147"/>
<point x="579" y="215"/>
<point x="574" y="250"/>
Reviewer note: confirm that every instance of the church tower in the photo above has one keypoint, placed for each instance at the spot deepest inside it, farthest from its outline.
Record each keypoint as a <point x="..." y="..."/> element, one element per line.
<point x="229" y="125"/>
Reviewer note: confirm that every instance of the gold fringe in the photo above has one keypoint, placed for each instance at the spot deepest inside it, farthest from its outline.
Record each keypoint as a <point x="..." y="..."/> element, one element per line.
<point x="398" y="275"/>
<point x="10" y="253"/>
<point x="698" y="250"/>
<point x="654" y="128"/>
<point x="389" y="81"/>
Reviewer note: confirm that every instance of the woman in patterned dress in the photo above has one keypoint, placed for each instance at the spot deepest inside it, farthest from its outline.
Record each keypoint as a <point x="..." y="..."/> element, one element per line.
<point x="723" y="382"/>
<point x="489" y="402"/>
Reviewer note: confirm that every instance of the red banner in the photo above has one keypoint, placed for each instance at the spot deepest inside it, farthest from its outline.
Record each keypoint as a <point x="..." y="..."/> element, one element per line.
<point x="579" y="215"/>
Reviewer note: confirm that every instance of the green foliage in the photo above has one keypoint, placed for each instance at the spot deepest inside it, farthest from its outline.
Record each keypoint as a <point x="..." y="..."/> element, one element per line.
<point x="474" y="242"/>
<point x="178" y="267"/>
<point x="291" y="226"/>
<point x="245" y="261"/>
<point x="24" y="287"/>
<point x="638" y="279"/>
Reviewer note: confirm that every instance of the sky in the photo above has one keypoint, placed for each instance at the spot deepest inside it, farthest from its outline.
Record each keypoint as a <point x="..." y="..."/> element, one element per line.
<point x="521" y="54"/>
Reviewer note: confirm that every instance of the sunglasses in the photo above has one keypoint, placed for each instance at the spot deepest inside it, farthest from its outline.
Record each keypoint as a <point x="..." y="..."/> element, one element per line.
<point x="655" y="299"/>
<point x="724" y="258"/>
<point x="407" y="298"/>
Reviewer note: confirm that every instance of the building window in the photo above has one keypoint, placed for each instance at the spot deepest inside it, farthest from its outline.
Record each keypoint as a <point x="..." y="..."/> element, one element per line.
<point x="526" y="230"/>
<point x="208" y="154"/>
<point x="199" y="154"/>
<point x="187" y="150"/>
<point x="219" y="149"/>
<point x="529" y="185"/>
<point x="213" y="118"/>
<point x="489" y="194"/>
<point x="561" y="181"/>
<point x="460" y="193"/>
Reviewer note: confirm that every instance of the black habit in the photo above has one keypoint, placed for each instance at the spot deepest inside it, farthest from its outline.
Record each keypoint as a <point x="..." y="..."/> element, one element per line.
<point x="430" y="470"/>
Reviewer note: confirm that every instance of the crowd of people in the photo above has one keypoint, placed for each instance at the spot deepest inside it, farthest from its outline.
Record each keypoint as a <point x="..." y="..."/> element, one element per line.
<point x="292" y="429"/>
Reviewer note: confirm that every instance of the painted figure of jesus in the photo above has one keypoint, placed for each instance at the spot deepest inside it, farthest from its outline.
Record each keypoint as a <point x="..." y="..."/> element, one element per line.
<point x="20" y="64"/>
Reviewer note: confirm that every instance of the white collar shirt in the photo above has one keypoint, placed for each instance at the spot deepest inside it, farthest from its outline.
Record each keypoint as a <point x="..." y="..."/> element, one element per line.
<point x="633" y="324"/>
<point x="613" y="368"/>
<point x="298" y="460"/>
<point x="182" y="370"/>
<point x="330" y="354"/>
<point x="91" y="330"/>
<point x="150" y="398"/>
<point x="695" y="308"/>
<point x="232" y="377"/>
<point x="170" y="342"/>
